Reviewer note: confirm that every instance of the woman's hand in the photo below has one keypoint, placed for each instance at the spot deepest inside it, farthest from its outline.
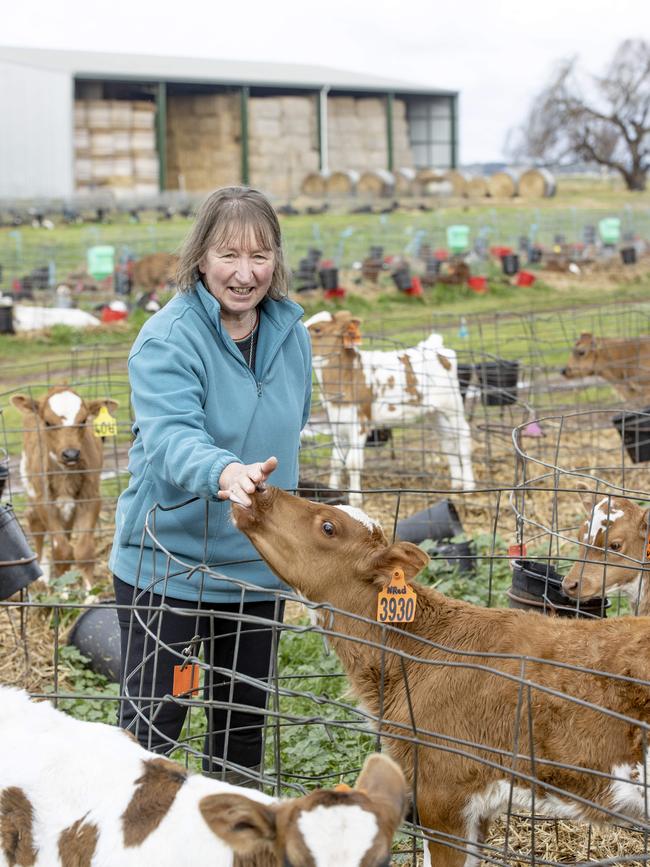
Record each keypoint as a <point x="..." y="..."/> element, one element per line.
<point x="237" y="481"/>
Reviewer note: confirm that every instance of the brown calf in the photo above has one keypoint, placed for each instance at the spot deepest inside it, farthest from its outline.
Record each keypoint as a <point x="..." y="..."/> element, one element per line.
<point x="154" y="271"/>
<point x="486" y="704"/>
<point x="60" y="468"/>
<point x="614" y="554"/>
<point x="623" y="362"/>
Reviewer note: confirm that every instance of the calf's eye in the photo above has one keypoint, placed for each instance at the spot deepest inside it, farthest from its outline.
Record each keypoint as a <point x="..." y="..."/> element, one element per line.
<point x="615" y="546"/>
<point x="328" y="528"/>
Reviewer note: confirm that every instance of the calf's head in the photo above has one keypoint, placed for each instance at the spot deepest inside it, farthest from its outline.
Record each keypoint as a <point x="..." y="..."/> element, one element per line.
<point x="328" y="828"/>
<point x="614" y="536"/>
<point x="60" y="419"/>
<point x="333" y="554"/>
<point x="330" y="333"/>
<point x="582" y="361"/>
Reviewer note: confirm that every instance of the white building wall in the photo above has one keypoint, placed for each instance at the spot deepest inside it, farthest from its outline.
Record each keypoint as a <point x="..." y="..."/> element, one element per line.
<point x="36" y="132"/>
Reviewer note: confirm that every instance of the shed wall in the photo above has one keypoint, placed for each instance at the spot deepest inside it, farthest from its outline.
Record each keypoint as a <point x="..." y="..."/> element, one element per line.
<point x="36" y="145"/>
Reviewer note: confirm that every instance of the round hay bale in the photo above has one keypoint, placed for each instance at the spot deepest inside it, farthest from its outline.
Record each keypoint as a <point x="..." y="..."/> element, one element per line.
<point x="477" y="187"/>
<point x="378" y="182"/>
<point x="458" y="181"/>
<point x="342" y="183"/>
<point x="502" y="185"/>
<point x="404" y="181"/>
<point x="428" y="180"/>
<point x="536" y="184"/>
<point x="314" y="184"/>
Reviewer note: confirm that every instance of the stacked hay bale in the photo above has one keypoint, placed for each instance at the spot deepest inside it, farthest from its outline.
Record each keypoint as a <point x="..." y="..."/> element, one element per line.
<point x="203" y="141"/>
<point x="282" y="142"/>
<point x="115" y="146"/>
<point x="357" y="134"/>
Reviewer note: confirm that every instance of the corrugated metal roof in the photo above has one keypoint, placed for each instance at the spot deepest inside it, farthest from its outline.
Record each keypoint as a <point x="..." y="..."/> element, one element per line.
<point x="90" y="64"/>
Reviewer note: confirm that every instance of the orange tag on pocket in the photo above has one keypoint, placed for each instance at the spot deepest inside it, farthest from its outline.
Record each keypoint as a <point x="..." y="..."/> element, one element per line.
<point x="186" y="679"/>
<point x="516" y="552"/>
<point x="396" y="603"/>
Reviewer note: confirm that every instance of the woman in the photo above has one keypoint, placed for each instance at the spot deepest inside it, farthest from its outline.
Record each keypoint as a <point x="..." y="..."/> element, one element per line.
<point x="220" y="386"/>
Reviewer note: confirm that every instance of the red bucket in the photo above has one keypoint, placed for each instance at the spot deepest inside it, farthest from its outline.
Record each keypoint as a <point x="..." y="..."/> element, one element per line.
<point x="329" y="294"/>
<point x="525" y="278"/>
<point x="415" y="288"/>
<point x="477" y="284"/>
<point x="498" y="252"/>
<point x="441" y="255"/>
<point x="109" y="315"/>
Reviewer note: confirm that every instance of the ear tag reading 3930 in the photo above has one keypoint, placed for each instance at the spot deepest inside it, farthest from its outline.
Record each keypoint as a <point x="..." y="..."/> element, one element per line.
<point x="396" y="603"/>
<point x="104" y="424"/>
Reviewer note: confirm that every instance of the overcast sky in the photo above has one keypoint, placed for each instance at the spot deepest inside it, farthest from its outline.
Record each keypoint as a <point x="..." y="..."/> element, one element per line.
<point x="497" y="54"/>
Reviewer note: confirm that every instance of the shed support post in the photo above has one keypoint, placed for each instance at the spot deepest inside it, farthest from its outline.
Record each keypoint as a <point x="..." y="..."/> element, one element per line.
<point x="390" y="163"/>
<point x="245" y="171"/>
<point x="161" y="134"/>
<point x="323" y="159"/>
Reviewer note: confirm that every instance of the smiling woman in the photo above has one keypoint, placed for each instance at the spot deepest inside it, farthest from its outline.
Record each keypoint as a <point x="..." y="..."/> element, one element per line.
<point x="221" y="388"/>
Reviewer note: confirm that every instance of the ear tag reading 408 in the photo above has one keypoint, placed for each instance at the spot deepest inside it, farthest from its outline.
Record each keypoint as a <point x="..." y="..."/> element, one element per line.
<point x="104" y="424"/>
<point x="396" y="603"/>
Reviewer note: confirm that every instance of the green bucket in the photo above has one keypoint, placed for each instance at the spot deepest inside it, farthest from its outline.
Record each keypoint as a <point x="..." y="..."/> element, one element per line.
<point x="101" y="262"/>
<point x="609" y="230"/>
<point x="458" y="238"/>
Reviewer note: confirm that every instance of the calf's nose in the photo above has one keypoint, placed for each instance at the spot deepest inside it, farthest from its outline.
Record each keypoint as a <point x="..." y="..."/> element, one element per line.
<point x="563" y="371"/>
<point x="70" y="456"/>
<point x="569" y="586"/>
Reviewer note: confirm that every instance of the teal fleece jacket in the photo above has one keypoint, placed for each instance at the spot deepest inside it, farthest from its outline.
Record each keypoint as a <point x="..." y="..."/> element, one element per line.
<point x="199" y="407"/>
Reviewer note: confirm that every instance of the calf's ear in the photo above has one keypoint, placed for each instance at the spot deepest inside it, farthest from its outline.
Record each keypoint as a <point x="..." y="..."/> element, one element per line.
<point x="25" y="404"/>
<point x="403" y="555"/>
<point x="588" y="497"/>
<point x="383" y="781"/>
<point x="239" y="821"/>
<point x="95" y="405"/>
<point x="643" y="525"/>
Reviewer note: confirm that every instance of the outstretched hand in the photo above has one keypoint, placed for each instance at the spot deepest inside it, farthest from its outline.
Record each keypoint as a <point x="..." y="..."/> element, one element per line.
<point x="237" y="481"/>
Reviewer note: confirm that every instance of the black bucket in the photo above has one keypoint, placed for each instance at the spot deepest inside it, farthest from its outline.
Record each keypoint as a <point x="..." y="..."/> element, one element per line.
<point x="329" y="278"/>
<point x="4" y="470"/>
<point x="432" y="266"/>
<point x="6" y="316"/>
<point x="18" y="566"/>
<point x="498" y="381"/>
<point x="376" y="253"/>
<point x="379" y="436"/>
<point x="314" y="255"/>
<point x="96" y="633"/>
<point x="402" y="278"/>
<point x="464" y="374"/>
<point x="320" y="493"/>
<point x="628" y="255"/>
<point x="438" y="521"/>
<point x="510" y="264"/>
<point x="589" y="234"/>
<point x="634" y="429"/>
<point x="537" y="586"/>
<point x="460" y="555"/>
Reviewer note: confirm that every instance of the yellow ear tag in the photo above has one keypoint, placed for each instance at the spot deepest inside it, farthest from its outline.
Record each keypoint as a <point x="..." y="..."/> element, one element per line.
<point x="104" y="424"/>
<point x="396" y="603"/>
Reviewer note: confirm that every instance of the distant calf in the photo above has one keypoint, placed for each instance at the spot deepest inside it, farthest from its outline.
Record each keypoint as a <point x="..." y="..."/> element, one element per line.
<point x="154" y="271"/>
<point x="614" y="554"/>
<point x="623" y="362"/>
<point x="81" y="794"/>
<point x="362" y="389"/>
<point x="485" y="707"/>
<point x="60" y="469"/>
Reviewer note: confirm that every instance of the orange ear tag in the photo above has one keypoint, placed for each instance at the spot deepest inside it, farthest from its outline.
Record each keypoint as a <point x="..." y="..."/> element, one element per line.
<point x="186" y="679"/>
<point x="396" y="603"/>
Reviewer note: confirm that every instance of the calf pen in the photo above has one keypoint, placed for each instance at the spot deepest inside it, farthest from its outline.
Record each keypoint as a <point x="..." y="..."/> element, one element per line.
<point x="315" y="733"/>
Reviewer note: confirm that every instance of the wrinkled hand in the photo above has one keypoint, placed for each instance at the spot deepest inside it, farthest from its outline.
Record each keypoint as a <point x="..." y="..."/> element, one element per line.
<point x="237" y="481"/>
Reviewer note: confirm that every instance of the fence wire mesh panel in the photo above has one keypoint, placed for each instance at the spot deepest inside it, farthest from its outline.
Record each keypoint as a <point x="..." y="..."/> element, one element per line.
<point x="524" y="737"/>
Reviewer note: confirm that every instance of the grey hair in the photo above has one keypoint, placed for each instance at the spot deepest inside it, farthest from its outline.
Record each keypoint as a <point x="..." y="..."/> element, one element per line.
<point x="229" y="215"/>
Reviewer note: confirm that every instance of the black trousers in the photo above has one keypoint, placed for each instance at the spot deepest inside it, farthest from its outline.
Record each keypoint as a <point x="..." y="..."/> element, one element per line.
<point x="235" y="651"/>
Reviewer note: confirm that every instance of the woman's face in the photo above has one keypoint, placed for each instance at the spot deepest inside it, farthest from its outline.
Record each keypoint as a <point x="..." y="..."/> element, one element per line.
<point x="238" y="273"/>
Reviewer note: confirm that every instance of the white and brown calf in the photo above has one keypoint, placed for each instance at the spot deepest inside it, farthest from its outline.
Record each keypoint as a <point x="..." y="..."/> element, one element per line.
<point x="81" y="794"/>
<point x="614" y="554"/>
<point x="60" y="468"/>
<point x="504" y="716"/>
<point x="362" y="389"/>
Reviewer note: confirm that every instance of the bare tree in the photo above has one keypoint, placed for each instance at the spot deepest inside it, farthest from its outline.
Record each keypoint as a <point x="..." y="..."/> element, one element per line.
<point x="600" y="119"/>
